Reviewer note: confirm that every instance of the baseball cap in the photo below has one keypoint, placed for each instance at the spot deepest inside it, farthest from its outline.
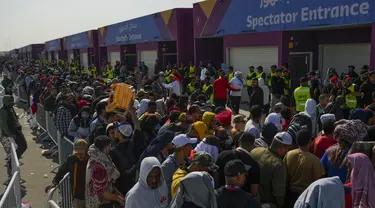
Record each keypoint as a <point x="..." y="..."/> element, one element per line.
<point x="260" y="67"/>
<point x="182" y="140"/>
<point x="284" y="138"/>
<point x="80" y="146"/>
<point x="125" y="129"/>
<point x="204" y="159"/>
<point x="235" y="168"/>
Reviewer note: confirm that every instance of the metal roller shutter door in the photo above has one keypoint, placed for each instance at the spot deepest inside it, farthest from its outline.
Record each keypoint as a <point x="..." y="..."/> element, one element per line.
<point x="49" y="56"/>
<point x="149" y="58"/>
<point x="84" y="60"/>
<point x="243" y="57"/>
<point x="56" y="56"/>
<point x="340" y="56"/>
<point x="113" y="57"/>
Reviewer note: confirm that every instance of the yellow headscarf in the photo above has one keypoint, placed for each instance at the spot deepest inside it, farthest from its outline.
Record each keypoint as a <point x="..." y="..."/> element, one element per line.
<point x="206" y="118"/>
<point x="201" y="128"/>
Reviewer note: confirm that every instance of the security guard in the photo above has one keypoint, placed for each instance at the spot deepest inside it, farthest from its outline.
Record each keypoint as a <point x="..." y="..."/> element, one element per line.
<point x="351" y="93"/>
<point x="167" y="73"/>
<point x="230" y="73"/>
<point x="191" y="71"/>
<point x="92" y="71"/>
<point x="250" y="75"/>
<point x="208" y="89"/>
<point x="302" y="94"/>
<point x="261" y="74"/>
<point x="287" y="80"/>
<point x="272" y="74"/>
<point x="191" y="86"/>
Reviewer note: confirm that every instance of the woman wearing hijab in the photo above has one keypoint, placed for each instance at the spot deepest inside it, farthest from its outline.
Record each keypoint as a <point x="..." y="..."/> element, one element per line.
<point x="143" y="106"/>
<point x="211" y="122"/>
<point x="150" y="190"/>
<point x="362" y="179"/>
<point x="275" y="119"/>
<point x="310" y="111"/>
<point x="100" y="174"/>
<point x="323" y="193"/>
<point x="345" y="133"/>
<point x="196" y="191"/>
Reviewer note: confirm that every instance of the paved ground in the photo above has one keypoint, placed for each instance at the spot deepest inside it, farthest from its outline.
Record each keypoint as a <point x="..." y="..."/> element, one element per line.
<point x="36" y="170"/>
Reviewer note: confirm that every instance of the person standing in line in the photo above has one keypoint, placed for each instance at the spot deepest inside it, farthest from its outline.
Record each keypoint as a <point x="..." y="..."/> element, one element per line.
<point x="221" y="87"/>
<point x="302" y="94"/>
<point x="237" y="83"/>
<point x="256" y="97"/>
<point x="250" y="75"/>
<point x="277" y="87"/>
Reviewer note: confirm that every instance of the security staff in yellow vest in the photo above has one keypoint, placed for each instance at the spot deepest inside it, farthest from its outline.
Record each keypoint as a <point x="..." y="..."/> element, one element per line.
<point x="351" y="93"/>
<point x="208" y="89"/>
<point x="230" y="73"/>
<point x="271" y="74"/>
<point x="261" y="74"/>
<point x="302" y="94"/>
<point x="191" y="71"/>
<point x="288" y="82"/>
<point x="74" y="68"/>
<point x="191" y="86"/>
<point x="109" y="73"/>
<point x="92" y="71"/>
<point x="250" y="75"/>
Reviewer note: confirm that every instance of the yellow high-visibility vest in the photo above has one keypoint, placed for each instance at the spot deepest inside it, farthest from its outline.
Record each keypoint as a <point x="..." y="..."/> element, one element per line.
<point x="351" y="100"/>
<point x="230" y="76"/>
<point x="192" y="71"/>
<point x="273" y="74"/>
<point x="205" y="88"/>
<point x="191" y="88"/>
<point x="249" y="75"/>
<point x="288" y="84"/>
<point x="301" y="95"/>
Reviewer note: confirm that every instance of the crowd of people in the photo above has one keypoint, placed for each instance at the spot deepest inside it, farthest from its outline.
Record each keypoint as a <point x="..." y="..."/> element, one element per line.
<point x="184" y="144"/>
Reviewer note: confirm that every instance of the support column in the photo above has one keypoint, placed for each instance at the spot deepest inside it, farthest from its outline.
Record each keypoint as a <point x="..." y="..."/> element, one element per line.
<point x="372" y="53"/>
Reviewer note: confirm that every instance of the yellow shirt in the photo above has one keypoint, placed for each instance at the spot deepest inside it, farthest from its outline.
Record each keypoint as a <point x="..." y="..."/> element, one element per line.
<point x="177" y="177"/>
<point x="303" y="169"/>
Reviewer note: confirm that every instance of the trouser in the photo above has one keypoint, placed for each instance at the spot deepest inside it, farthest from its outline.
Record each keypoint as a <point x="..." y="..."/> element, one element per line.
<point x="78" y="203"/>
<point x="249" y="92"/>
<point x="235" y="102"/>
<point x="21" y="148"/>
<point x="220" y="102"/>
<point x="290" y="198"/>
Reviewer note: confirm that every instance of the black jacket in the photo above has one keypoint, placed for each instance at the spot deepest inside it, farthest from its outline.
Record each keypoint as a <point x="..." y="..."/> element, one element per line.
<point x="278" y="85"/>
<point x="69" y="166"/>
<point x="256" y="97"/>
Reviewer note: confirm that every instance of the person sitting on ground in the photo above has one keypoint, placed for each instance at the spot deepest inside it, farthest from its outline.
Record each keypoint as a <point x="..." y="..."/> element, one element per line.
<point x="150" y="190"/>
<point x="202" y="161"/>
<point x="231" y="195"/>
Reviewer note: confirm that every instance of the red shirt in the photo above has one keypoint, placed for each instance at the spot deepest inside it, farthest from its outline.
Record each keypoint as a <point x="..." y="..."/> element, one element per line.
<point x="285" y="124"/>
<point x="321" y="144"/>
<point x="221" y="86"/>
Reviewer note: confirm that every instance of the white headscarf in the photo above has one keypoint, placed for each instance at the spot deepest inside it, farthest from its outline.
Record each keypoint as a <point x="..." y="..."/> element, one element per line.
<point x="275" y="119"/>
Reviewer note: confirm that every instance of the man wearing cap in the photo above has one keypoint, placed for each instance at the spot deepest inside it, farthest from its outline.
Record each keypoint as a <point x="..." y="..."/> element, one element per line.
<point x="352" y="74"/>
<point x="277" y="86"/>
<point x="183" y="147"/>
<point x="250" y="75"/>
<point x="231" y="195"/>
<point x="273" y="169"/>
<point x="202" y="161"/>
<point x="351" y="92"/>
<point x="272" y="74"/>
<point x="75" y="165"/>
<point x="126" y="152"/>
<point x="302" y="94"/>
<point x="244" y="143"/>
<point x="261" y="74"/>
<point x="236" y="83"/>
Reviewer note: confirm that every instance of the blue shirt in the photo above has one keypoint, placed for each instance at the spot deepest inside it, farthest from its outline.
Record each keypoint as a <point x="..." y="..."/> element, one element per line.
<point x="331" y="171"/>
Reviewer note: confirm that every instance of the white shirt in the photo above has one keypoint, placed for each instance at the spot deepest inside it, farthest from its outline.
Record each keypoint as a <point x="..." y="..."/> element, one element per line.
<point x="174" y="87"/>
<point x="253" y="128"/>
<point x="236" y="84"/>
<point x="203" y="74"/>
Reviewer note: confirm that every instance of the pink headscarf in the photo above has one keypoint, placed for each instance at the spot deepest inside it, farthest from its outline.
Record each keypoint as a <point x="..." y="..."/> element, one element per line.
<point x="363" y="181"/>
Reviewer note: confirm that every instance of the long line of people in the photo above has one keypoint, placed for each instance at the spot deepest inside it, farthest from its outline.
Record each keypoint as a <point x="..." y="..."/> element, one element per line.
<point x="185" y="152"/>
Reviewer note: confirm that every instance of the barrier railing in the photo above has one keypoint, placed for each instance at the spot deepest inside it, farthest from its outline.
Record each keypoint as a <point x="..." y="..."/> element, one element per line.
<point x="61" y="196"/>
<point x="12" y="196"/>
<point x="22" y="94"/>
<point x="65" y="147"/>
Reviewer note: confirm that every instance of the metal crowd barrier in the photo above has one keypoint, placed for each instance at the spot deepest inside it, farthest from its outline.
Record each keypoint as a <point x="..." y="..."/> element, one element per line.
<point x="22" y="94"/>
<point x="61" y="195"/>
<point x="65" y="147"/>
<point x="12" y="196"/>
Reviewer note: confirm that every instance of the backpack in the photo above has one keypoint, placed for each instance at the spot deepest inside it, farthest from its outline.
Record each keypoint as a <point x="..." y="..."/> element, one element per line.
<point x="298" y="122"/>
